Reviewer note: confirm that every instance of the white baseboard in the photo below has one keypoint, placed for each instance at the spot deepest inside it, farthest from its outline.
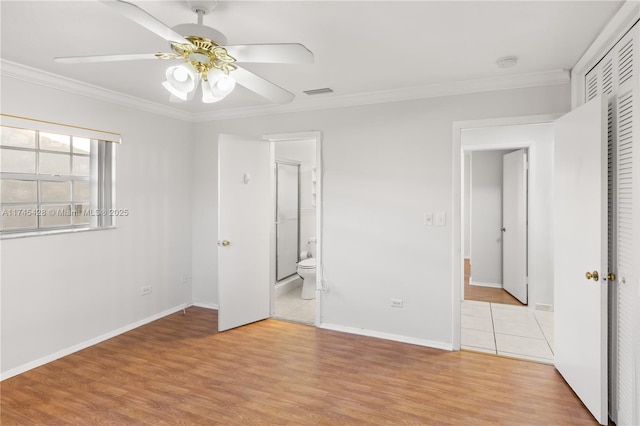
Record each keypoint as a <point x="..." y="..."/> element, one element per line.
<point x="482" y="284"/>
<point x="388" y="336"/>
<point x="87" y="343"/>
<point x="213" y="306"/>
<point x="544" y="307"/>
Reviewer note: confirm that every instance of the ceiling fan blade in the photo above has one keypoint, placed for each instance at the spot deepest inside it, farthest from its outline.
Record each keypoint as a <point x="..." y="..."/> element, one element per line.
<point x="142" y="18"/>
<point x="114" y="58"/>
<point x="283" y="53"/>
<point x="262" y="87"/>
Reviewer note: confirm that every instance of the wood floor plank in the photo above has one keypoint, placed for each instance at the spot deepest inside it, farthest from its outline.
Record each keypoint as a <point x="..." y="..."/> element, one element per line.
<point x="486" y="294"/>
<point x="180" y="371"/>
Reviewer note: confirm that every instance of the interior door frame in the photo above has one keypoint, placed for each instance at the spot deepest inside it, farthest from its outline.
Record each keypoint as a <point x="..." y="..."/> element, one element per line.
<point x="459" y="148"/>
<point x="280" y="137"/>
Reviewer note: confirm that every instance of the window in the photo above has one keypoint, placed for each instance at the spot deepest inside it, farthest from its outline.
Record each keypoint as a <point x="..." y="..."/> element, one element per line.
<point x="54" y="182"/>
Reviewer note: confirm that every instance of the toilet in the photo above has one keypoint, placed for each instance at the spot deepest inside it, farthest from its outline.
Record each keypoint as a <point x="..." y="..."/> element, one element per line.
<point x="307" y="271"/>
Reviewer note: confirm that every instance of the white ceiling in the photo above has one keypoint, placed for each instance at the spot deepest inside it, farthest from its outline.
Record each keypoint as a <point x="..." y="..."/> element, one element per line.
<point x="359" y="46"/>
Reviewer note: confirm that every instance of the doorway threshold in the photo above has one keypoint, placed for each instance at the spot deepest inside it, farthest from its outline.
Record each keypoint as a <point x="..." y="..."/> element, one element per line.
<point x="507" y="330"/>
<point x="291" y="307"/>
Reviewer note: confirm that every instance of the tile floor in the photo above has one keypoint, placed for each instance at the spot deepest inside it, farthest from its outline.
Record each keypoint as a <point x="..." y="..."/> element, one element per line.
<point x="290" y="307"/>
<point x="514" y="331"/>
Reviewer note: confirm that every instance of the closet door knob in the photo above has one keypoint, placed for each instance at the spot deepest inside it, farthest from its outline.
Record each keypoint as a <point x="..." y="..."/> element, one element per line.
<point x="592" y="275"/>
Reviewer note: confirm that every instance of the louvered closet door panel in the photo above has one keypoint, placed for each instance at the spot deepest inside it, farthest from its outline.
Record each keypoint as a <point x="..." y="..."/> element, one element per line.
<point x="625" y="81"/>
<point x="611" y="256"/>
<point x="593" y="83"/>
<point x="625" y="251"/>
<point x="602" y="80"/>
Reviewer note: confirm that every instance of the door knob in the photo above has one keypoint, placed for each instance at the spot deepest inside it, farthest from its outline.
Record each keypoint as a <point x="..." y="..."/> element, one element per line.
<point x="593" y="275"/>
<point x="224" y="243"/>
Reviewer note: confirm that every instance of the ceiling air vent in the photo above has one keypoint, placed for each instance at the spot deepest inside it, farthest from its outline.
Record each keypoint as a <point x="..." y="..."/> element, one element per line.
<point x="318" y="91"/>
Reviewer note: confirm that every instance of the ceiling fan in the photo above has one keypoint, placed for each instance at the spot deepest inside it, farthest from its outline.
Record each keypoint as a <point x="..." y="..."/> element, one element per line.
<point x="206" y="58"/>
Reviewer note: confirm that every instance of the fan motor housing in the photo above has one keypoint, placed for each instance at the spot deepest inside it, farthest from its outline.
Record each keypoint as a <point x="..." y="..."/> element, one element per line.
<point x="201" y="31"/>
<point x="204" y="54"/>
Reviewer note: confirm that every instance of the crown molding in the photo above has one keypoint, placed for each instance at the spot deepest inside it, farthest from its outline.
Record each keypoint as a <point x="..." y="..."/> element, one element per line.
<point x="43" y="78"/>
<point x="33" y="75"/>
<point x="546" y="78"/>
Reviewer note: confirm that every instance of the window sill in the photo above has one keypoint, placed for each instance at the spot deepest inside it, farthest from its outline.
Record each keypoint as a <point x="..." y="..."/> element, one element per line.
<point x="17" y="235"/>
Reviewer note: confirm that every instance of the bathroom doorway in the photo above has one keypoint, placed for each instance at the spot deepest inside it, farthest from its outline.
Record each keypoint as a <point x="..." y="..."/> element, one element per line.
<point x="295" y="184"/>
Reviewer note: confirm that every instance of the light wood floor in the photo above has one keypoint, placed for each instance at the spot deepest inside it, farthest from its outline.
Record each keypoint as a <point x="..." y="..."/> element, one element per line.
<point x="178" y="370"/>
<point x="486" y="294"/>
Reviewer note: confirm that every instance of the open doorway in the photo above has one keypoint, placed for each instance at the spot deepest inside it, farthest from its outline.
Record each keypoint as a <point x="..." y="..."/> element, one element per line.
<point x="295" y="233"/>
<point x="523" y="326"/>
<point x="296" y="227"/>
<point x="495" y="226"/>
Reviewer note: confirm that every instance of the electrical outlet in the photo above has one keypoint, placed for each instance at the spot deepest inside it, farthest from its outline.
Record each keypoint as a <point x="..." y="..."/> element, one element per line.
<point x="185" y="278"/>
<point x="145" y="290"/>
<point x="396" y="303"/>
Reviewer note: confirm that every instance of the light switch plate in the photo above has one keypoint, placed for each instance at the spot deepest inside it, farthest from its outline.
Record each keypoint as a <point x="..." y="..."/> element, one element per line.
<point x="441" y="218"/>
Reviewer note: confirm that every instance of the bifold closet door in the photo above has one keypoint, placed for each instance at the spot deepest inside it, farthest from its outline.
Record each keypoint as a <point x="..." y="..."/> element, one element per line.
<point x="616" y="77"/>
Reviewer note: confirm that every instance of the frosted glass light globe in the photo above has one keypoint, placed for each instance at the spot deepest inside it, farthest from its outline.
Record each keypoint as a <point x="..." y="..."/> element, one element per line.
<point x="180" y="74"/>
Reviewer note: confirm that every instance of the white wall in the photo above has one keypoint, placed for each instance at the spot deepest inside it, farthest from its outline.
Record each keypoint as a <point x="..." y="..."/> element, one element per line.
<point x="539" y="138"/>
<point x="384" y="166"/>
<point x="486" y="220"/>
<point x="59" y="291"/>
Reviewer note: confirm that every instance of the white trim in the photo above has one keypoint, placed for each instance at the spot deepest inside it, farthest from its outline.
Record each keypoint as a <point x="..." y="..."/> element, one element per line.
<point x="622" y="21"/>
<point x="481" y="284"/>
<point x="31" y="123"/>
<point x="280" y="137"/>
<point x="88" y="343"/>
<point x="213" y="306"/>
<point x="457" y="271"/>
<point x="387" y="336"/>
<point x="33" y="75"/>
<point x="43" y="78"/>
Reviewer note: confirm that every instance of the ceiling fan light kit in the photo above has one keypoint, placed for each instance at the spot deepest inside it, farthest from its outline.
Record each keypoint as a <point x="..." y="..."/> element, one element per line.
<point x="181" y="80"/>
<point x="207" y="62"/>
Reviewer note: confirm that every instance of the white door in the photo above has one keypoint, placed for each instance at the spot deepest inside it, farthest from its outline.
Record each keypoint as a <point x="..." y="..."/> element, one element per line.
<point x="514" y="224"/>
<point x="580" y="254"/>
<point x="243" y="229"/>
